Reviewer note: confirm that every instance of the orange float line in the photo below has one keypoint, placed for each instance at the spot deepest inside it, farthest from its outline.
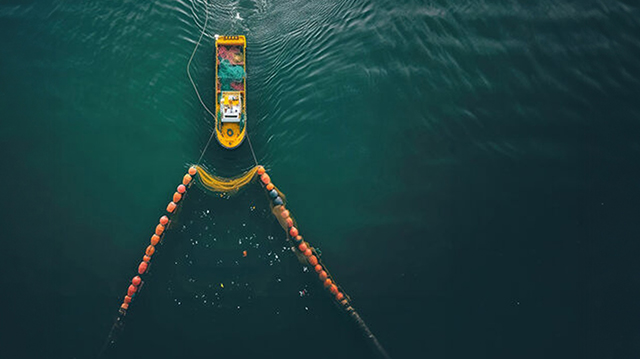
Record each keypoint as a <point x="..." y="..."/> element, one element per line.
<point x="303" y="250"/>
<point x="156" y="238"/>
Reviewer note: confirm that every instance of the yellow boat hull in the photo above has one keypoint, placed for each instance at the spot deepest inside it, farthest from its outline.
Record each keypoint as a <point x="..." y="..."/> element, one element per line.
<point x="231" y="134"/>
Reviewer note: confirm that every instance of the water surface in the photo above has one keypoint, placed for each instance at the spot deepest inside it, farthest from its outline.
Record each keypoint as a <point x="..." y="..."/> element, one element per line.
<point x="469" y="170"/>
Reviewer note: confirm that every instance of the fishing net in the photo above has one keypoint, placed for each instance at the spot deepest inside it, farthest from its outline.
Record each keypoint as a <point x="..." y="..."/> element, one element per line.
<point x="231" y="53"/>
<point x="226" y="186"/>
<point x="228" y="74"/>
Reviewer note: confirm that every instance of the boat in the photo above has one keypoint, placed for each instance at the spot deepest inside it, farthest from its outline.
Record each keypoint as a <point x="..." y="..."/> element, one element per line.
<point x="231" y="82"/>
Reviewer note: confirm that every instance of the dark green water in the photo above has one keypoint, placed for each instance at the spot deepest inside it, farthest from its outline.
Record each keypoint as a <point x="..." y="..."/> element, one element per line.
<point x="469" y="170"/>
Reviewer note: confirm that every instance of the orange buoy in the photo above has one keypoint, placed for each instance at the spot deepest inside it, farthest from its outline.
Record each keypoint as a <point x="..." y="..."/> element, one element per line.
<point x="270" y="186"/>
<point x="327" y="283"/>
<point x="186" y="179"/>
<point x="159" y="229"/>
<point x="244" y="253"/>
<point x="322" y="275"/>
<point x="132" y="290"/>
<point x="177" y="197"/>
<point x="344" y="302"/>
<point x="143" y="267"/>
<point x="265" y="178"/>
<point x="150" y="250"/>
<point x="171" y="207"/>
<point x="333" y="289"/>
<point x="293" y="231"/>
<point x="193" y="170"/>
<point x="124" y="306"/>
<point x="261" y="170"/>
<point x="302" y="247"/>
<point x="289" y="222"/>
<point x="136" y="280"/>
<point x="308" y="252"/>
<point x="155" y="239"/>
<point x="339" y="296"/>
<point x="182" y="188"/>
<point x="127" y="299"/>
<point x="285" y="214"/>
<point x="164" y="220"/>
<point x="146" y="258"/>
<point x="318" y="268"/>
<point x="312" y="259"/>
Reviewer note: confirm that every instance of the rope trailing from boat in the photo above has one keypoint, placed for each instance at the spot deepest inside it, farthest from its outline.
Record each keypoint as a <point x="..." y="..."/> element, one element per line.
<point x="195" y="88"/>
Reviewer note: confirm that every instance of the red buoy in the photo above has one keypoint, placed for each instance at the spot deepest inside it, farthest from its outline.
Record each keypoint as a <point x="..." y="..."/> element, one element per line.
<point x="136" y="281"/>
<point x="302" y="247"/>
<point x="186" y="179"/>
<point x="143" y="267"/>
<point x="171" y="207"/>
<point x="289" y="222"/>
<point x="293" y="231"/>
<point x="150" y="250"/>
<point x="155" y="239"/>
<point x="261" y="170"/>
<point x="159" y="229"/>
<point x="333" y="289"/>
<point x="308" y="252"/>
<point x="132" y="290"/>
<point x="312" y="260"/>
<point x="285" y="214"/>
<point x="177" y="197"/>
<point x="339" y="296"/>
<point x="182" y="188"/>
<point x="270" y="186"/>
<point x="265" y="178"/>
<point x="322" y="275"/>
<point x="124" y="306"/>
<point x="318" y="268"/>
<point x="327" y="283"/>
<point x="146" y="258"/>
<point x="193" y="170"/>
<point x="127" y="299"/>
<point x="164" y="220"/>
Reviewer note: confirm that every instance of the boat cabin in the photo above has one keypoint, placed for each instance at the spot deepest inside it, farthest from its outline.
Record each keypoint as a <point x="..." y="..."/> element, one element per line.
<point x="231" y="106"/>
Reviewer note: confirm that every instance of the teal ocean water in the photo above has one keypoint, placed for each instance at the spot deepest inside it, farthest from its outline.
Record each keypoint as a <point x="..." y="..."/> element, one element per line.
<point x="469" y="170"/>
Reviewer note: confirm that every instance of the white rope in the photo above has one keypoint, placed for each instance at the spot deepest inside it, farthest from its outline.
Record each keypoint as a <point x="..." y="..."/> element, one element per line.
<point x="204" y="28"/>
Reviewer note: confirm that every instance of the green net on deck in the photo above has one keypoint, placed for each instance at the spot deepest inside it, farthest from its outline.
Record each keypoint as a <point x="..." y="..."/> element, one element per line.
<point x="228" y="73"/>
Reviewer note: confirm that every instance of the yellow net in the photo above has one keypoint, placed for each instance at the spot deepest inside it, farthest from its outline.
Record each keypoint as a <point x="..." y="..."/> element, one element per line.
<point x="224" y="185"/>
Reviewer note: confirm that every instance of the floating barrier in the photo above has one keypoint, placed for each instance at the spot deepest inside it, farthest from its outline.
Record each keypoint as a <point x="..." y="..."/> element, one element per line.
<point x="301" y="247"/>
<point x="156" y="238"/>
<point x="304" y="250"/>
